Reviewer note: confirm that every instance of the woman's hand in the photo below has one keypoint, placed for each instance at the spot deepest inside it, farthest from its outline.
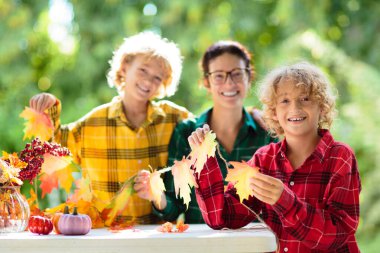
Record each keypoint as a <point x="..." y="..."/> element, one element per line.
<point x="198" y="136"/>
<point x="42" y="102"/>
<point x="266" y="188"/>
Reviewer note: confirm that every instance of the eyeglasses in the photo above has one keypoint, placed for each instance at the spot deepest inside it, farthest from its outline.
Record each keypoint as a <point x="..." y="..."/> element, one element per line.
<point x="238" y="75"/>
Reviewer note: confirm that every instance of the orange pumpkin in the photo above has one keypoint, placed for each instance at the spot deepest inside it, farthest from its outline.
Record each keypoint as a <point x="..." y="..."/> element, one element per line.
<point x="56" y="218"/>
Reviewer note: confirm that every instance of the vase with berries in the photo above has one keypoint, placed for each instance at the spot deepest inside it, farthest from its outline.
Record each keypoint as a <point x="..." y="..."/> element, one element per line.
<point x="14" y="170"/>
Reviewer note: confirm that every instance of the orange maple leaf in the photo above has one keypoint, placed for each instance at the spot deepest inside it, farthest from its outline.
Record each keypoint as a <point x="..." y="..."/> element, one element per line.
<point x="53" y="163"/>
<point x="14" y="161"/>
<point x="181" y="226"/>
<point x="157" y="186"/>
<point x="167" y="227"/>
<point x="50" y="175"/>
<point x="199" y="154"/>
<point x="183" y="179"/>
<point x="37" y="125"/>
<point x="48" y="183"/>
<point x="83" y="190"/>
<point x="57" y="169"/>
<point x="240" y="176"/>
<point x="119" y="202"/>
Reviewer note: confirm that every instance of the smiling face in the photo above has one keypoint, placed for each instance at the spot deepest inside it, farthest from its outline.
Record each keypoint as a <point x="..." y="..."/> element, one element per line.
<point x="296" y="111"/>
<point x="228" y="94"/>
<point x="143" y="78"/>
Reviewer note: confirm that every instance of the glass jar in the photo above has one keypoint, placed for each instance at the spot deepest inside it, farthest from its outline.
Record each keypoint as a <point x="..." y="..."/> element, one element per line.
<point x="14" y="210"/>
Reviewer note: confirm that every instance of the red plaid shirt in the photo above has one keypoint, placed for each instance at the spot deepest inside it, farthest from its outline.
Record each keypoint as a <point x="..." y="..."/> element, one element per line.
<point x="318" y="210"/>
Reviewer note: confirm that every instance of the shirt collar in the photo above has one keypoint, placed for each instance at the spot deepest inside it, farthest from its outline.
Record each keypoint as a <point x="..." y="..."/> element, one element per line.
<point x="320" y="150"/>
<point x="205" y="117"/>
<point x="116" y="110"/>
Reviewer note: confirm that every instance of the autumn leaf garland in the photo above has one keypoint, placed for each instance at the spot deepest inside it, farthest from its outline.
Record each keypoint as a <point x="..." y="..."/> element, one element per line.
<point x="58" y="171"/>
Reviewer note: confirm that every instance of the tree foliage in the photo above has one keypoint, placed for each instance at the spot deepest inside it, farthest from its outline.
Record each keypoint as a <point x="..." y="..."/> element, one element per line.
<point x="339" y="36"/>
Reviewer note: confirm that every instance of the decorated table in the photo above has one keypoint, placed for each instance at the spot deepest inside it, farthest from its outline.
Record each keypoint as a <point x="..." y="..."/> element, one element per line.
<point x="145" y="238"/>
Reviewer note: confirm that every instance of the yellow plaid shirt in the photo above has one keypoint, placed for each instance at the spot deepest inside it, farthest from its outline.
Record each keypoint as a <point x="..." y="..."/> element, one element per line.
<point x="110" y="152"/>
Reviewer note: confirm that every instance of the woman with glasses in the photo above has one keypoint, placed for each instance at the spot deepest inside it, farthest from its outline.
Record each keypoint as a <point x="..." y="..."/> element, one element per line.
<point x="227" y="76"/>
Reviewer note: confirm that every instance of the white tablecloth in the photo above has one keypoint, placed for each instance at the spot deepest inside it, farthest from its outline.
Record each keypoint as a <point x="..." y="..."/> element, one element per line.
<point x="145" y="238"/>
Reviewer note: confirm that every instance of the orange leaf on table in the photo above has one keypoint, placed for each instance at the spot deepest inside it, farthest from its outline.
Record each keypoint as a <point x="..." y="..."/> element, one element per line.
<point x="157" y="186"/>
<point x="181" y="226"/>
<point x="167" y="227"/>
<point x="183" y="179"/>
<point x="199" y="154"/>
<point x="240" y="175"/>
<point x="37" y="125"/>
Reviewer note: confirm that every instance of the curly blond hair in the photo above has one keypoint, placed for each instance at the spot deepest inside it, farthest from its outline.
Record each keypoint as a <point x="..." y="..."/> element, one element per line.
<point x="150" y="45"/>
<point x="306" y="76"/>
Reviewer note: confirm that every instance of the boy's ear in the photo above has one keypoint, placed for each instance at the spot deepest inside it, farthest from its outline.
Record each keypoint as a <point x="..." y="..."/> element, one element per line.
<point x="124" y="67"/>
<point x="274" y="117"/>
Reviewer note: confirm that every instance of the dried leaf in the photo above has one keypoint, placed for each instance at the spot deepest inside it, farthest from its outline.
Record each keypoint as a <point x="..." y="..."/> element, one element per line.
<point x="119" y="202"/>
<point x="48" y="183"/>
<point x="37" y="125"/>
<point x="83" y="190"/>
<point x="240" y="176"/>
<point x="53" y="163"/>
<point x="181" y="226"/>
<point x="183" y="179"/>
<point x="157" y="186"/>
<point x="199" y="154"/>
<point x="167" y="227"/>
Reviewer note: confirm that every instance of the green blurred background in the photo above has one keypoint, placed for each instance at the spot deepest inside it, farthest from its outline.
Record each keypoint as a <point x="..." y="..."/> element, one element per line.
<point x="63" y="47"/>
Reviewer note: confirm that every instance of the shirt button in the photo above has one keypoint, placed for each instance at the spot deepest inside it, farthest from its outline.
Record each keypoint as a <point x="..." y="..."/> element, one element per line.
<point x="286" y="249"/>
<point x="291" y="183"/>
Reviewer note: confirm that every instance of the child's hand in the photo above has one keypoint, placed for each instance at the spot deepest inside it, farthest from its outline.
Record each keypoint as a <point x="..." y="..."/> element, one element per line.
<point x="266" y="188"/>
<point x="198" y="136"/>
<point x="42" y="102"/>
<point x="142" y="185"/>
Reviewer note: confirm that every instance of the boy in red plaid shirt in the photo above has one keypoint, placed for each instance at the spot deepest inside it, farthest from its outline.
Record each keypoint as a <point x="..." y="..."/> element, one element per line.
<point x="307" y="190"/>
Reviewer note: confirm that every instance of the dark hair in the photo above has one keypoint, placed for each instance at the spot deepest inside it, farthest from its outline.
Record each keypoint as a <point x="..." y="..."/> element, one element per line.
<point x="225" y="46"/>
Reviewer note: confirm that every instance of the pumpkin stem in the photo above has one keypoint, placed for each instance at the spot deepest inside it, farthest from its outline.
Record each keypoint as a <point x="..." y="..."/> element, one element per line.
<point x="75" y="212"/>
<point x="66" y="210"/>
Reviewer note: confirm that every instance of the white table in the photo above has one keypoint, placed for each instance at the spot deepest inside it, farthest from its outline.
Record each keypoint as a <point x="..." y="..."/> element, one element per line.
<point x="145" y="238"/>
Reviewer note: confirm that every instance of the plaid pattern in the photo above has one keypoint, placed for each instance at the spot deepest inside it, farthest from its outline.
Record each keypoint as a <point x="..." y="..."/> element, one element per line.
<point x="249" y="139"/>
<point x="110" y="152"/>
<point x="318" y="210"/>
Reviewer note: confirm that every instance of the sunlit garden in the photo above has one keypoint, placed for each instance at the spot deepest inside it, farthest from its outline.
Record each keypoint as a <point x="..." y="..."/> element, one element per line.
<point x="63" y="47"/>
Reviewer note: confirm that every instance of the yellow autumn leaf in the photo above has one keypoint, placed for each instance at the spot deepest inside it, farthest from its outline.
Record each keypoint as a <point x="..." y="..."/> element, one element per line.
<point x="183" y="179"/>
<point x="37" y="124"/>
<point x="157" y="186"/>
<point x="65" y="177"/>
<point x="83" y="190"/>
<point x="240" y="176"/>
<point x="53" y="163"/>
<point x="119" y="202"/>
<point x="199" y="154"/>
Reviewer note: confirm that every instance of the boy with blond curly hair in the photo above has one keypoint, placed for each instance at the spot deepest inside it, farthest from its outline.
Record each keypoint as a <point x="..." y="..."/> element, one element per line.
<point x="116" y="140"/>
<point x="307" y="189"/>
